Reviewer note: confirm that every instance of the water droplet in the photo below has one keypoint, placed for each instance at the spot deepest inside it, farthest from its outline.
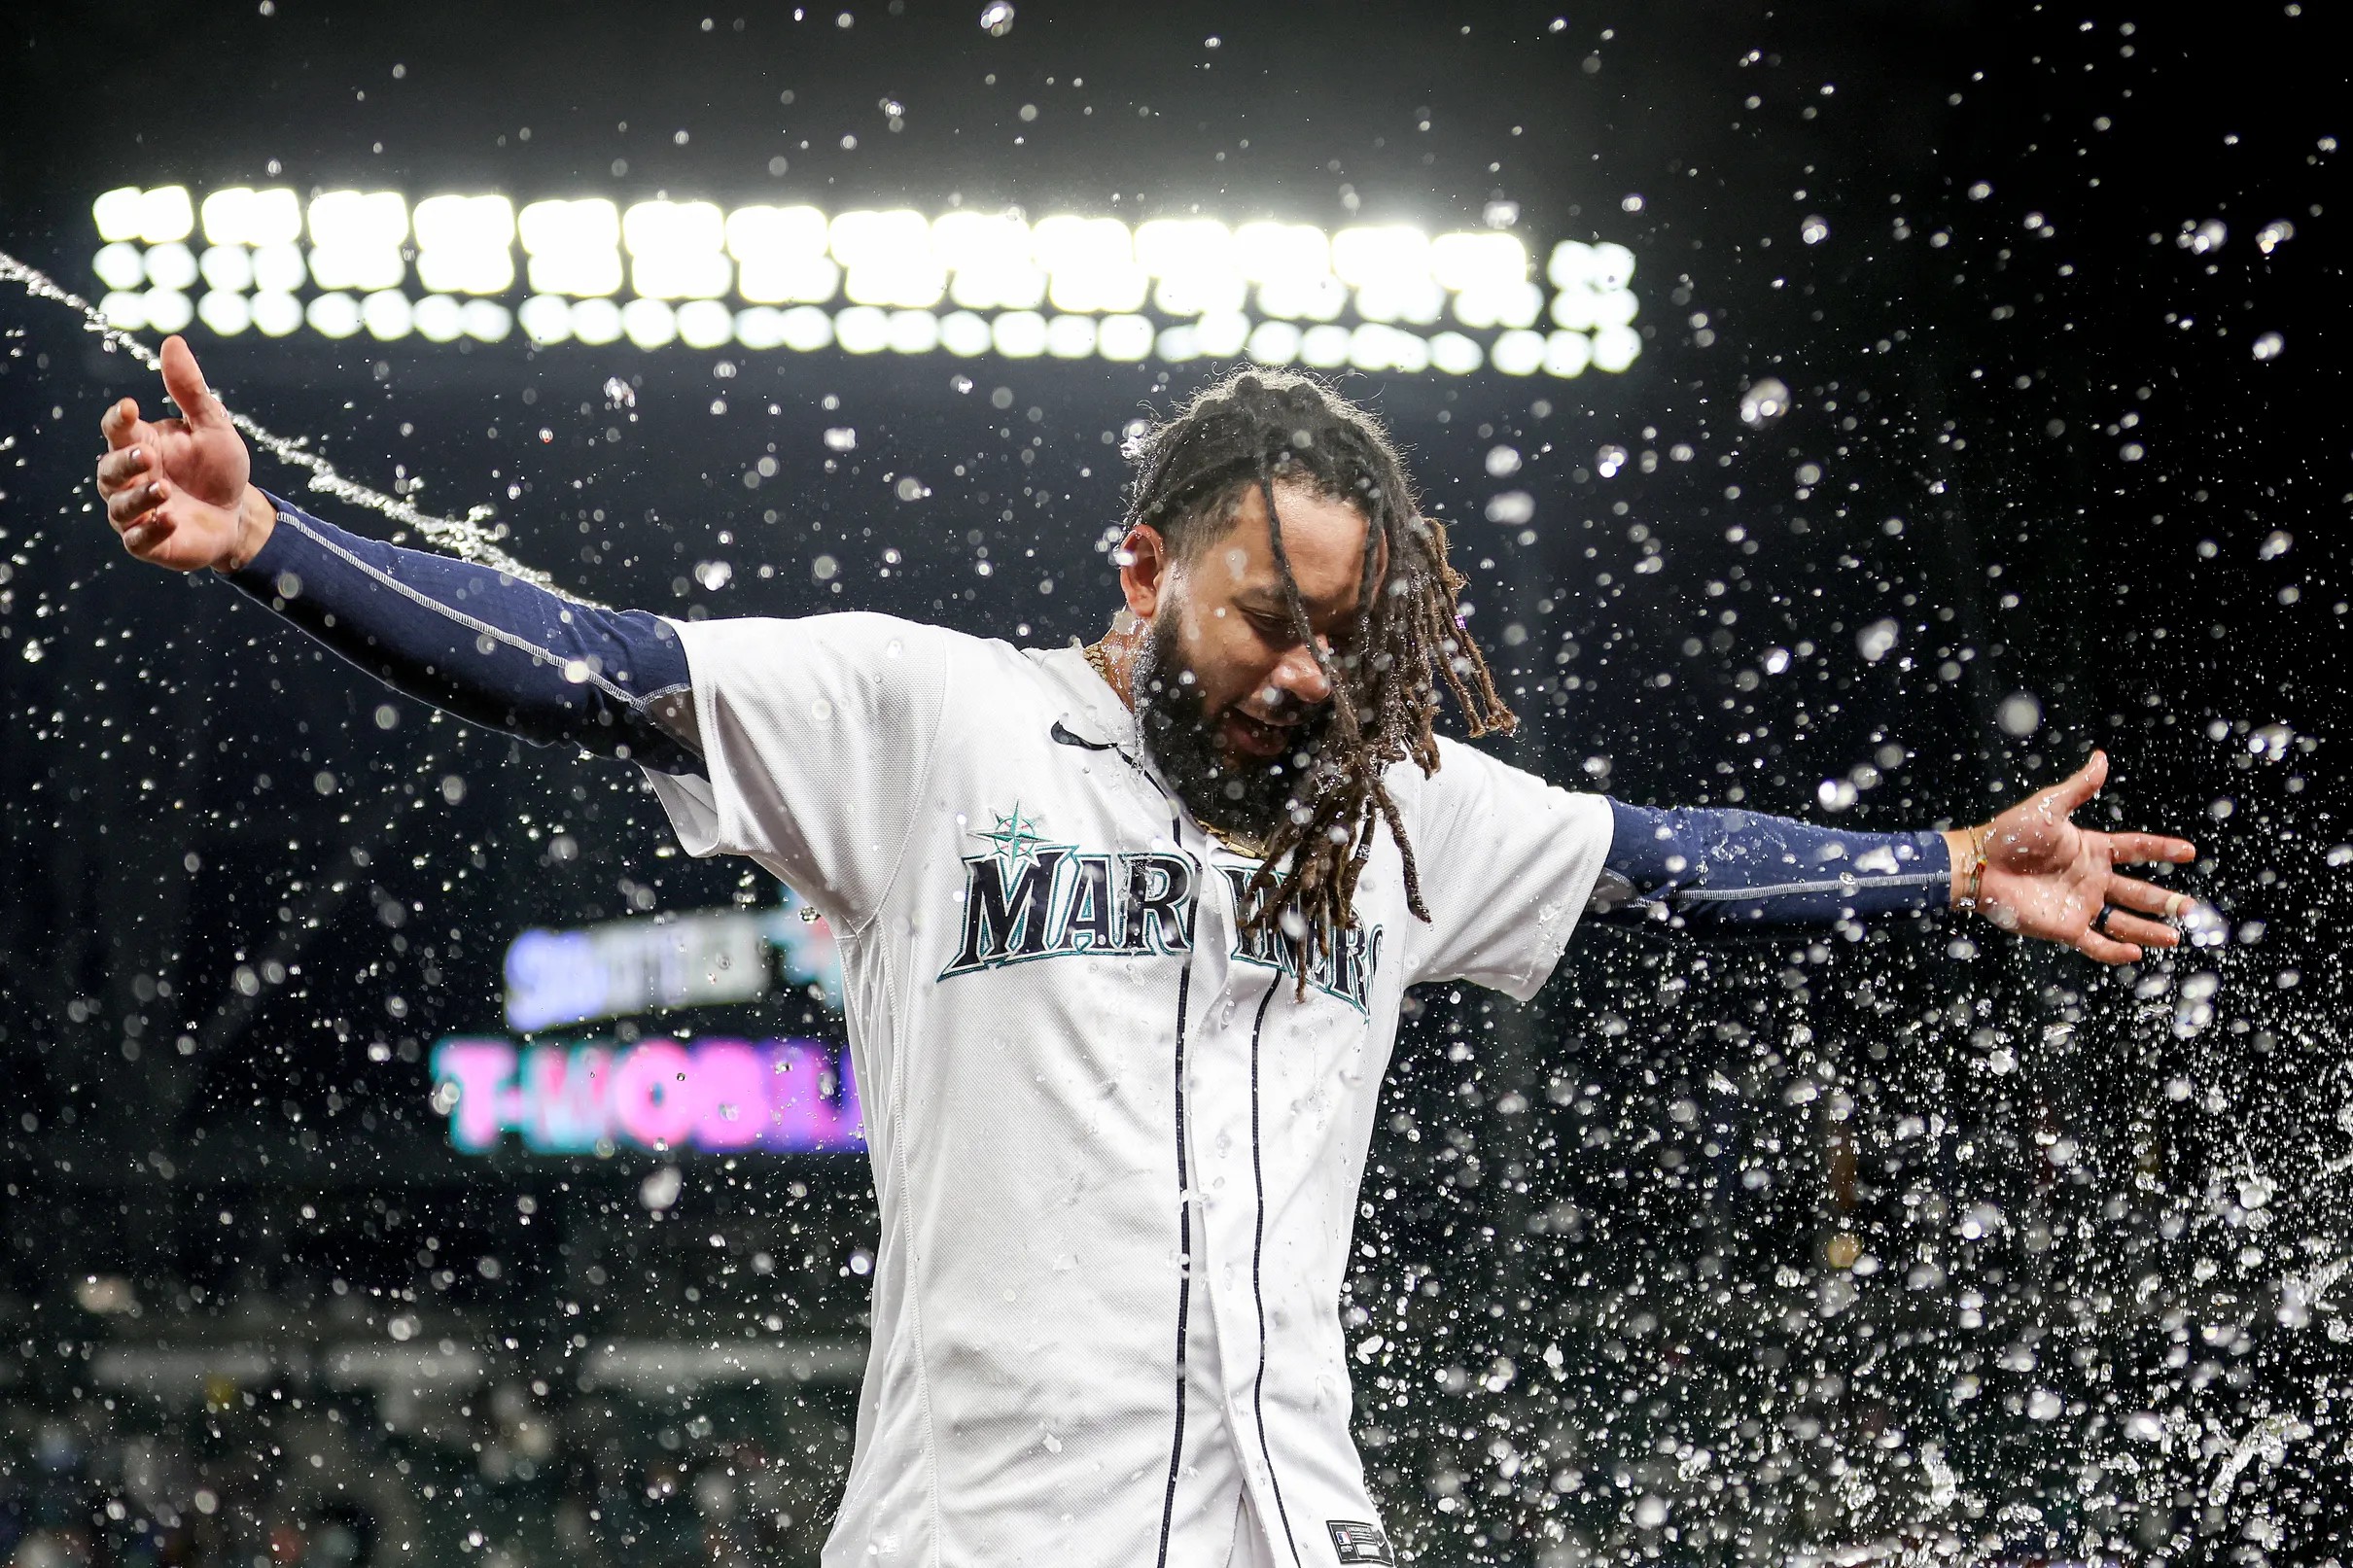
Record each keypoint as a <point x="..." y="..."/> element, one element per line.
<point x="1766" y="400"/>
<point x="2021" y="715"/>
<point x="1813" y="229"/>
<point x="660" y="1190"/>
<point x="997" y="19"/>
<point x="2267" y="346"/>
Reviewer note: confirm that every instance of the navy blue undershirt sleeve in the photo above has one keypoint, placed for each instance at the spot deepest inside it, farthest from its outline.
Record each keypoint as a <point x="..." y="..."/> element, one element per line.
<point x="487" y="646"/>
<point x="1733" y="869"/>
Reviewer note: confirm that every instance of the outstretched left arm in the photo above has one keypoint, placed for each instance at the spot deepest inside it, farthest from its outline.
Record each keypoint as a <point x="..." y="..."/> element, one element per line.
<point x="2039" y="875"/>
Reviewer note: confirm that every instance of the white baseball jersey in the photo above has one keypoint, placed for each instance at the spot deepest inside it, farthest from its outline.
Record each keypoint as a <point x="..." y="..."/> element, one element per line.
<point x="1117" y="1154"/>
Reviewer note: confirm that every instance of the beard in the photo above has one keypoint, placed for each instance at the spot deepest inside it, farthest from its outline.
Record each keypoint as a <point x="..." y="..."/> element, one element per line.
<point x="1240" y="797"/>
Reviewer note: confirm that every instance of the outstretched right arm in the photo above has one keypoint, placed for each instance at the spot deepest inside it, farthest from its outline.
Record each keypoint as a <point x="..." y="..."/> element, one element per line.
<point x="481" y="644"/>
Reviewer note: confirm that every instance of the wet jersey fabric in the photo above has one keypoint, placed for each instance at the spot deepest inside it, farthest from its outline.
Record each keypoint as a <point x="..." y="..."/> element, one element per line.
<point x="1118" y="1151"/>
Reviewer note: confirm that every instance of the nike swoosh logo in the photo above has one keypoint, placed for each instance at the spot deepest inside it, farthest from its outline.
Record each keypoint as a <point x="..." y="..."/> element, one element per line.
<point x="1063" y="736"/>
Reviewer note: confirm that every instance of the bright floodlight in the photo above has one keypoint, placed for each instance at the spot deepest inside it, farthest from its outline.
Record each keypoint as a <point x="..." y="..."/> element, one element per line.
<point x="862" y="330"/>
<point x="889" y="260"/>
<point x="466" y="244"/>
<point x="705" y="323"/>
<point x="1566" y="354"/>
<point x="1284" y="253"/>
<point x="125" y="308"/>
<point x="1378" y="257"/>
<point x="913" y="331"/>
<point x="1616" y="347"/>
<point x="228" y="267"/>
<point x="780" y="234"/>
<point x="1019" y="334"/>
<point x="168" y="310"/>
<point x="649" y="322"/>
<point x="1070" y="337"/>
<point x="1303" y="297"/>
<point x="989" y="254"/>
<point x="170" y="267"/>
<point x="544" y="318"/>
<point x="964" y="334"/>
<point x="1500" y="304"/>
<point x="596" y="322"/>
<point x="1194" y="260"/>
<point x="279" y="267"/>
<point x="333" y="315"/>
<point x="276" y="313"/>
<point x="356" y="241"/>
<point x="807" y="329"/>
<point x="1455" y="354"/>
<point x="487" y="321"/>
<point x="387" y="315"/>
<point x="1173" y="247"/>
<point x="237" y="216"/>
<point x="1126" y="338"/>
<point x="574" y="246"/>
<point x="1274" y="343"/>
<point x="226" y="313"/>
<point x="1323" y="348"/>
<point x="760" y="327"/>
<point x="166" y="216"/>
<point x="119" y="265"/>
<point x="674" y="250"/>
<point x="1092" y="262"/>
<point x="781" y="255"/>
<point x="1478" y="260"/>
<point x="117" y="214"/>
<point x="440" y="318"/>
<point x="358" y="220"/>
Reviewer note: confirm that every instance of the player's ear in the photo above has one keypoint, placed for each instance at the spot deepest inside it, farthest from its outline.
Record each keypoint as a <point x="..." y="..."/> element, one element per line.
<point x="1144" y="565"/>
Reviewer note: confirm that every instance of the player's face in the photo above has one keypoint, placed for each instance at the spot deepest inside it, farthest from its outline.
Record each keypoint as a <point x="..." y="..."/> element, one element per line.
<point x="1232" y="703"/>
<point x="1255" y="681"/>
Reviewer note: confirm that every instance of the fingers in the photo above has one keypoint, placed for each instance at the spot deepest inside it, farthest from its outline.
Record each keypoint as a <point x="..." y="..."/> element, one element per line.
<point x="119" y="425"/>
<point x="119" y="467"/>
<point x="2106" y="949"/>
<point x="143" y="536"/>
<point x="2140" y="849"/>
<point x="2148" y="934"/>
<point x="2069" y="793"/>
<point x="2130" y="892"/>
<point x="186" y="384"/>
<point x="132" y="503"/>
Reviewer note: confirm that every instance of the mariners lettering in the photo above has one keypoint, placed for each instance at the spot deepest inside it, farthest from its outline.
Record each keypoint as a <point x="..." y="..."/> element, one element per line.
<point x="1054" y="900"/>
<point x="1025" y="898"/>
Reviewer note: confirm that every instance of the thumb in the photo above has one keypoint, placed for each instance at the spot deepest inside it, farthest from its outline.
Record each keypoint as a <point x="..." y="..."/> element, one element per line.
<point x="185" y="382"/>
<point x="2072" y="792"/>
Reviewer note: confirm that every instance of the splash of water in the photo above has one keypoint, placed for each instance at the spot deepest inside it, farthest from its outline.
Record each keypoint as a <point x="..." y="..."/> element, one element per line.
<point x="2267" y="1440"/>
<point x="471" y="536"/>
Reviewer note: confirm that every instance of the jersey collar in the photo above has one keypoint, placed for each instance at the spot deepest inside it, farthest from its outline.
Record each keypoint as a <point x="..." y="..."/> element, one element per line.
<point x="1091" y="710"/>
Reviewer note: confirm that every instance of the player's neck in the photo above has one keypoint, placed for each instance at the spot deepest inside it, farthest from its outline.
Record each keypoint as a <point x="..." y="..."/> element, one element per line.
<point x="1113" y="655"/>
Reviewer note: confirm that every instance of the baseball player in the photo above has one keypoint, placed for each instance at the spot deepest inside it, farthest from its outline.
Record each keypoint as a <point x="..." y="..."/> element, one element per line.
<point x="1124" y="930"/>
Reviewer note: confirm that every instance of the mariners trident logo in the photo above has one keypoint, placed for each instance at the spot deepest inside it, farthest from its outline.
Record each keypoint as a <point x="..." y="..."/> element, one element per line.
<point x="1026" y="897"/>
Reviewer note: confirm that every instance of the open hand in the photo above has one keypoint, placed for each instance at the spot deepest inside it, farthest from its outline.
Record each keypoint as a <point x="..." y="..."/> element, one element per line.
<point x="179" y="491"/>
<point x="2047" y="877"/>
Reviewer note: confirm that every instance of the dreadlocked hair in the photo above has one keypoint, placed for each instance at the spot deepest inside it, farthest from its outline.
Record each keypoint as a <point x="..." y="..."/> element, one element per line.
<point x="1259" y="429"/>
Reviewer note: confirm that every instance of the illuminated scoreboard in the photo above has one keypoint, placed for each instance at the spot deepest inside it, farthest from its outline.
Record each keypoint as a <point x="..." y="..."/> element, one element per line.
<point x="718" y="1095"/>
<point x="965" y="283"/>
<point x="711" y="1094"/>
